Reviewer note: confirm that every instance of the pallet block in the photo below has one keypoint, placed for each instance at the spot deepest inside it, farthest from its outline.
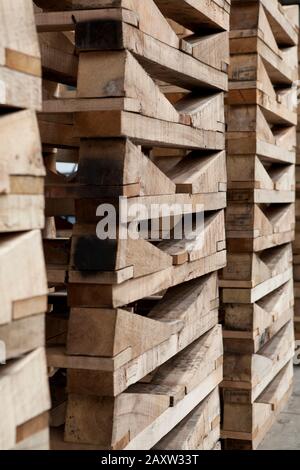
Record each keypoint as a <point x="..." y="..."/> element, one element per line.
<point x="20" y="60"/>
<point x="24" y="396"/>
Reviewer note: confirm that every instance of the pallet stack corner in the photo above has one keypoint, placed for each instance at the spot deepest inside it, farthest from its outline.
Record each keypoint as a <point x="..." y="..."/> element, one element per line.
<point x="257" y="284"/>
<point x="24" y="390"/>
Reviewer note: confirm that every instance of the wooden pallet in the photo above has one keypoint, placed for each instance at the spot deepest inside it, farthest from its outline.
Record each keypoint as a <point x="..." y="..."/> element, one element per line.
<point x="113" y="352"/>
<point x="171" y="393"/>
<point x="257" y="292"/>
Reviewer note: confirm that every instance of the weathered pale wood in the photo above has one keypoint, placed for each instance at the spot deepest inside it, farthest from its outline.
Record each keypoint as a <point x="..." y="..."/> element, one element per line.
<point x="145" y="130"/>
<point x="158" y="58"/>
<point x="19" y="49"/>
<point x="254" y="227"/>
<point x="246" y="270"/>
<point x="249" y="326"/>
<point x="23" y="290"/>
<point x="184" y="314"/>
<point x="23" y="335"/>
<point x="22" y="171"/>
<point x="198" y="173"/>
<point x="191" y="13"/>
<point x="24" y="394"/>
<point x="81" y="295"/>
<point x="245" y="425"/>
<point x="251" y="295"/>
<point x="209" y="239"/>
<point x="252" y="373"/>
<point x="188" y="386"/>
<point x="200" y="430"/>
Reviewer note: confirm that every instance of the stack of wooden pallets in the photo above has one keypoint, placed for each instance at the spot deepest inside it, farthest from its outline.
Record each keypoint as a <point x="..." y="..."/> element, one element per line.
<point x="257" y="282"/>
<point x="296" y="248"/>
<point x="142" y="348"/>
<point x="24" y="394"/>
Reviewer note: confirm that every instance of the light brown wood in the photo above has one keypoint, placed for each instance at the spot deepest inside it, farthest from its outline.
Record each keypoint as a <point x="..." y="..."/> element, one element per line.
<point x="143" y="431"/>
<point x="254" y="420"/>
<point x="18" y="283"/>
<point x="24" y="394"/>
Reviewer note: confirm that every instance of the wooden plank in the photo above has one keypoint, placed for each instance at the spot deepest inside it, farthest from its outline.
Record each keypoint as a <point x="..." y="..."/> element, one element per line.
<point x="119" y="163"/>
<point x="145" y="130"/>
<point x="210" y="238"/>
<point x="80" y="295"/>
<point x="246" y="296"/>
<point x="191" y="13"/>
<point x="66" y="20"/>
<point x="59" y="61"/>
